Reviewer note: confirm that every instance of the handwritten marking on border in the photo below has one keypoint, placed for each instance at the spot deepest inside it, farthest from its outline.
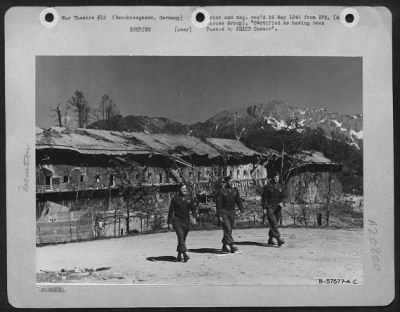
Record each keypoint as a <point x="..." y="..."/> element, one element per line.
<point x="25" y="186"/>
<point x="375" y="251"/>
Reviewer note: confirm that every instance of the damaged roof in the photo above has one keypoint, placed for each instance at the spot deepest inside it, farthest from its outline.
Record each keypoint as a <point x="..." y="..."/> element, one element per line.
<point x="88" y="141"/>
<point x="181" y="145"/>
<point x="314" y="157"/>
<point x="231" y="146"/>
<point x="93" y="141"/>
<point x="307" y="158"/>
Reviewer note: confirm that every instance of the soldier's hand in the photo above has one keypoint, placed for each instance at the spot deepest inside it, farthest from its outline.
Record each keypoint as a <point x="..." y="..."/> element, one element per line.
<point x="265" y="211"/>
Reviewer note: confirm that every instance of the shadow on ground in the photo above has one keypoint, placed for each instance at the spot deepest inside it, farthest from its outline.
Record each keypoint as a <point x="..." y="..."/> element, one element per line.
<point x="162" y="259"/>
<point x="249" y="243"/>
<point x="207" y="250"/>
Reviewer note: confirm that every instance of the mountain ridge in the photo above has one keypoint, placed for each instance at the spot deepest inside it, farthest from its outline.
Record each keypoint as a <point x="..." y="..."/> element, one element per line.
<point x="234" y="123"/>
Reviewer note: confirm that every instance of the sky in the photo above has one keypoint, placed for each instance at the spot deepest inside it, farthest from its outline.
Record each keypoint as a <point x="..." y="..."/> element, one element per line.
<point x="189" y="89"/>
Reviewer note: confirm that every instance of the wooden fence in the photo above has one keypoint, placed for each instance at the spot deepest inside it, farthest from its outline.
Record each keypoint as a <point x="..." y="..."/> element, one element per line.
<point x="97" y="226"/>
<point x="63" y="232"/>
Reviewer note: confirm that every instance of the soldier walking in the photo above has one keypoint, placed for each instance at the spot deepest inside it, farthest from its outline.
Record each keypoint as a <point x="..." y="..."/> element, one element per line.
<point x="272" y="203"/>
<point x="179" y="217"/>
<point x="227" y="197"/>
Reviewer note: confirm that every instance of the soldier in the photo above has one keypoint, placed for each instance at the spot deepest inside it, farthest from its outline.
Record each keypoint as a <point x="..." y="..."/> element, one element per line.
<point x="226" y="200"/>
<point x="272" y="202"/>
<point x="179" y="217"/>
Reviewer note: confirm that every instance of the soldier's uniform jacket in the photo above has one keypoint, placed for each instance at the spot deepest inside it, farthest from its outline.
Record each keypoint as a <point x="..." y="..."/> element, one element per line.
<point x="180" y="207"/>
<point x="227" y="198"/>
<point x="272" y="195"/>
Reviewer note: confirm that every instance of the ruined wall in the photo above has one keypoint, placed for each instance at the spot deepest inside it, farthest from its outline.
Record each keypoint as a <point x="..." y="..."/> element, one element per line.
<point x="247" y="171"/>
<point x="58" y="177"/>
<point x="53" y="175"/>
<point x="94" y="190"/>
<point x="313" y="187"/>
<point x="152" y="201"/>
<point x="199" y="174"/>
<point x="109" y="215"/>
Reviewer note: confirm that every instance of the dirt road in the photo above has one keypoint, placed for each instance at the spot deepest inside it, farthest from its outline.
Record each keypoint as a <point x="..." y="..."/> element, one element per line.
<point x="308" y="254"/>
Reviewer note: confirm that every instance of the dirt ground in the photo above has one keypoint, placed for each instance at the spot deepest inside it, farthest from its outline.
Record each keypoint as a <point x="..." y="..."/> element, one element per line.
<point x="309" y="254"/>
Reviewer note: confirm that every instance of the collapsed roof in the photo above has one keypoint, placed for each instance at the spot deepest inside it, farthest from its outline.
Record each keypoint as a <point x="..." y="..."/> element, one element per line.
<point x="314" y="158"/>
<point x="93" y="141"/>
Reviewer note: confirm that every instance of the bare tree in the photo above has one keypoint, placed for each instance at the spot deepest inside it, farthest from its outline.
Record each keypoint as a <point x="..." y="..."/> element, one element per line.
<point x="66" y="115"/>
<point x="303" y="196"/>
<point x="328" y="197"/>
<point x="107" y="110"/>
<point x="57" y="113"/>
<point x="81" y="107"/>
<point x="292" y="144"/>
<point x="61" y="114"/>
<point x="103" y="104"/>
<point x="132" y="193"/>
<point x="242" y="132"/>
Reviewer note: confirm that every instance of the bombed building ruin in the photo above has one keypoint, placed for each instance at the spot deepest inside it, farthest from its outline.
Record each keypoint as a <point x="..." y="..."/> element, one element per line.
<point x="88" y="171"/>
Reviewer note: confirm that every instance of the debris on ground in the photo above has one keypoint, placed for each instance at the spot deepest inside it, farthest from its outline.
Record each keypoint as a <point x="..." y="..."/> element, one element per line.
<point x="72" y="274"/>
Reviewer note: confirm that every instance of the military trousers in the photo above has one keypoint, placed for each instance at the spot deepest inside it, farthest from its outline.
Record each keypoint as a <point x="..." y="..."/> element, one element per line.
<point x="273" y="215"/>
<point x="228" y="222"/>
<point x="181" y="228"/>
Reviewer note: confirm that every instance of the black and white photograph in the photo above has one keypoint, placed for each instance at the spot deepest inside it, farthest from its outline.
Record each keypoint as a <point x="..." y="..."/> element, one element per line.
<point x="199" y="170"/>
<point x="216" y="156"/>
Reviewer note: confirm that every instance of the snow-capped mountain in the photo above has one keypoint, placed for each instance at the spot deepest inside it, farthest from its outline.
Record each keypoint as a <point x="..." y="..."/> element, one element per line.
<point x="238" y="122"/>
<point x="275" y="115"/>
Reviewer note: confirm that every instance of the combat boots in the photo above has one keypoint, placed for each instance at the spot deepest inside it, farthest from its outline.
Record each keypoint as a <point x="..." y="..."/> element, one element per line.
<point x="280" y="241"/>
<point x="185" y="257"/>
<point x="225" y="248"/>
<point x="233" y="248"/>
<point x="179" y="258"/>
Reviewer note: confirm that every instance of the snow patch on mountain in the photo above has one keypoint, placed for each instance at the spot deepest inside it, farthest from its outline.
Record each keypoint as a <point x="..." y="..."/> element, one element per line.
<point x="302" y="122"/>
<point x="276" y="124"/>
<point x="337" y="123"/>
<point x="355" y="145"/>
<point x="358" y="135"/>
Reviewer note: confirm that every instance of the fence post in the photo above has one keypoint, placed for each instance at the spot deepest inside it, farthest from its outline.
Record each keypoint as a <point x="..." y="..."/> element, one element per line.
<point x="115" y="221"/>
<point x="70" y="230"/>
<point x="128" y="217"/>
<point x="294" y="212"/>
<point x="319" y="218"/>
<point x="119" y="226"/>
